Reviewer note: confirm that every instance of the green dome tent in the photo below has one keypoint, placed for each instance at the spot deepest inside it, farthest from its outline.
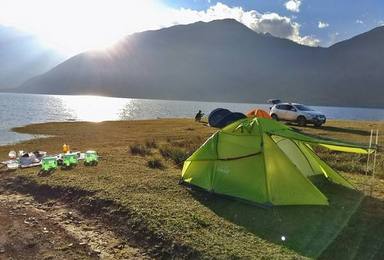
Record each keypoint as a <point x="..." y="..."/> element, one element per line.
<point x="265" y="162"/>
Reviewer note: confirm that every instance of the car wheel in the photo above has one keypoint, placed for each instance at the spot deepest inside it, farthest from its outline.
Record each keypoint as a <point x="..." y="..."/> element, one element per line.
<point x="274" y="117"/>
<point x="301" y="121"/>
<point x="317" y="124"/>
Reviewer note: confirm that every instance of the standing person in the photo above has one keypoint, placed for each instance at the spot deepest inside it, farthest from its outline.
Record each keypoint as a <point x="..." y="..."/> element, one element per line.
<point x="198" y="116"/>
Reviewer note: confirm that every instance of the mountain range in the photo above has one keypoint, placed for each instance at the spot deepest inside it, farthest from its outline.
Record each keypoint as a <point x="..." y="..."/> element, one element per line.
<point x="224" y="60"/>
<point x="22" y="56"/>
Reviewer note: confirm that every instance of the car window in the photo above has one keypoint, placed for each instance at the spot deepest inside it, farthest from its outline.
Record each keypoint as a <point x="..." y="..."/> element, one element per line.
<point x="303" y="108"/>
<point x="284" y="107"/>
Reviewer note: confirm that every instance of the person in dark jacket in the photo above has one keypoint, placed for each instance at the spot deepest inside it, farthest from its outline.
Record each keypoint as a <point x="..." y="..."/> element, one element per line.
<point x="198" y="116"/>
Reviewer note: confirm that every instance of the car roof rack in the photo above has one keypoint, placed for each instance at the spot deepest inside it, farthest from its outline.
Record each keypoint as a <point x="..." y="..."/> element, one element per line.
<point x="274" y="101"/>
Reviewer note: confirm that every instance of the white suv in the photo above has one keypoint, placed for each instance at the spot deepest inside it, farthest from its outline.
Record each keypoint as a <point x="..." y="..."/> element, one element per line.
<point x="297" y="113"/>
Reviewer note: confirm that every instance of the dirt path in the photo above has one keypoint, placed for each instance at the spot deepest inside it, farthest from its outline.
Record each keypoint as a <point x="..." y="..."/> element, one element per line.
<point x="50" y="230"/>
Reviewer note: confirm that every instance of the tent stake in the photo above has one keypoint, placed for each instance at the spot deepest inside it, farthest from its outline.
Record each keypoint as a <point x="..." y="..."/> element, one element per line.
<point x="374" y="161"/>
<point x="367" y="168"/>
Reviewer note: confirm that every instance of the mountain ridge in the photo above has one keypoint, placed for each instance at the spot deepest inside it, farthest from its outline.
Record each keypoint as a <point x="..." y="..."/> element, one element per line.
<point x="222" y="60"/>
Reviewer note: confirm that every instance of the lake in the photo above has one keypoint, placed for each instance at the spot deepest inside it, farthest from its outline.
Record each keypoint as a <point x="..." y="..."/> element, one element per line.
<point x="23" y="109"/>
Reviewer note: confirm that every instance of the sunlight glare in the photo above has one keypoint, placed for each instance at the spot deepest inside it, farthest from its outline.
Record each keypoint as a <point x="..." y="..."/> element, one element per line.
<point x="88" y="108"/>
<point x="75" y="26"/>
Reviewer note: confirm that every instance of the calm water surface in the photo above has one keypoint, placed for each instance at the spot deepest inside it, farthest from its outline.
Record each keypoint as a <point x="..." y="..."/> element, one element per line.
<point x="23" y="109"/>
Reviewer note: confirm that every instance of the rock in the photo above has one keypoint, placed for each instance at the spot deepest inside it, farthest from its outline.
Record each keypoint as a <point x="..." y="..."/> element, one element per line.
<point x="31" y="221"/>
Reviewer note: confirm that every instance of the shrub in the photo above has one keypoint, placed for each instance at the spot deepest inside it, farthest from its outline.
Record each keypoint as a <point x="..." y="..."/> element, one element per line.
<point x="139" y="149"/>
<point x="155" y="163"/>
<point x="174" y="153"/>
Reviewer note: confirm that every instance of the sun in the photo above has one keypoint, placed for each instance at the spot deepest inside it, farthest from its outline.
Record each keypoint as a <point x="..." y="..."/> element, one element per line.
<point x="77" y="25"/>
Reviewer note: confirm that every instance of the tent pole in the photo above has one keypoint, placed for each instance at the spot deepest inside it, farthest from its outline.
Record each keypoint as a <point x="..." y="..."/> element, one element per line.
<point x="367" y="168"/>
<point x="374" y="161"/>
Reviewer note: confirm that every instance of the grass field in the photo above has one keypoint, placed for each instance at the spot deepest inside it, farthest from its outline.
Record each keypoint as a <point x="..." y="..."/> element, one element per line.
<point x="139" y="174"/>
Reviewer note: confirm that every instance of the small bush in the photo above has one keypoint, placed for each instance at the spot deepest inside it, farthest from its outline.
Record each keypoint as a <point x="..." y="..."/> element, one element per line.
<point x="151" y="144"/>
<point x="176" y="154"/>
<point x="139" y="149"/>
<point x="155" y="163"/>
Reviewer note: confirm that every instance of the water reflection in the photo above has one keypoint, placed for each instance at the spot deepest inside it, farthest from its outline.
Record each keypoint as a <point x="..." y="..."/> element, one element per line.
<point x="93" y="108"/>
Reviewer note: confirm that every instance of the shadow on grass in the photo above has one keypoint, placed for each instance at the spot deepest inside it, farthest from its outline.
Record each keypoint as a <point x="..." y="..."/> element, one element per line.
<point x="363" y="237"/>
<point x="308" y="230"/>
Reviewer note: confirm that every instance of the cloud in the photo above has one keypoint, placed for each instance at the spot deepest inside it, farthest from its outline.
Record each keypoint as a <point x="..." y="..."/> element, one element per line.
<point x="273" y="23"/>
<point x="359" y="21"/>
<point x="293" y="5"/>
<point x="323" y="25"/>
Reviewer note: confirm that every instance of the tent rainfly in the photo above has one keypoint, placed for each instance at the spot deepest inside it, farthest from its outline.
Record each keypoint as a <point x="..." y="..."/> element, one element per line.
<point x="265" y="162"/>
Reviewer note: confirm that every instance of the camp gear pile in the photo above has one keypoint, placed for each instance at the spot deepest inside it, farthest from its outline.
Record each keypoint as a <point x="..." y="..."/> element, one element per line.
<point x="48" y="163"/>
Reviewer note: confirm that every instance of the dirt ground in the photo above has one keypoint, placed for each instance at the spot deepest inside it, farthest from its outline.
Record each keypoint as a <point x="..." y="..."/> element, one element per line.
<point x="38" y="229"/>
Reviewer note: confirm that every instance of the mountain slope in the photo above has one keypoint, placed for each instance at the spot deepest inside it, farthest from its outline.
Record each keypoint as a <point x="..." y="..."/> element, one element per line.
<point x="221" y="60"/>
<point x="22" y="57"/>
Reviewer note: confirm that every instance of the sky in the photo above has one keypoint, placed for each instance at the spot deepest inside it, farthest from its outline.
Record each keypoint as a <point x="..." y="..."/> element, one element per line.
<point x="72" y="26"/>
